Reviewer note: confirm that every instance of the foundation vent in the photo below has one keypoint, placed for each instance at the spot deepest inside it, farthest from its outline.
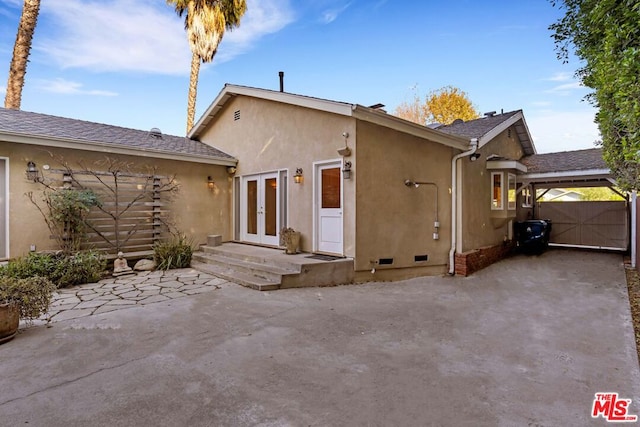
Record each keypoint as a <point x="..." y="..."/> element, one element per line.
<point x="421" y="258"/>
<point x="236" y="115"/>
<point x="385" y="261"/>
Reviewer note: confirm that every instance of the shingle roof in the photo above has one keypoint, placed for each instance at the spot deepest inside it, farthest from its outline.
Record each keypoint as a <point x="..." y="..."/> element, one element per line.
<point x="478" y="127"/>
<point x="42" y="125"/>
<point x="565" y="161"/>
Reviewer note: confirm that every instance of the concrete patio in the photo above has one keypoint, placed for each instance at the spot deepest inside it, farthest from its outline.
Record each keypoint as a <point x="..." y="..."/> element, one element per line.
<point x="527" y="341"/>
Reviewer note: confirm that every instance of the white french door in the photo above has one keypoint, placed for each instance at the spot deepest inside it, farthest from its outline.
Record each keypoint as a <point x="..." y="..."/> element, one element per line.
<point x="328" y="207"/>
<point x="259" y="209"/>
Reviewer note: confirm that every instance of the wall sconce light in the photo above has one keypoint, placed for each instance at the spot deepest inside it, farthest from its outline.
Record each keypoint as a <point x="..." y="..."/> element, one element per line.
<point x="32" y="172"/>
<point x="231" y="170"/>
<point x="298" y="177"/>
<point x="474" y="157"/>
<point x="346" y="170"/>
<point x="210" y="183"/>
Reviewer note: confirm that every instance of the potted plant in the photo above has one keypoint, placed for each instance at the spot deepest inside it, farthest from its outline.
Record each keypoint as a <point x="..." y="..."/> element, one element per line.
<point x="27" y="299"/>
<point x="290" y="239"/>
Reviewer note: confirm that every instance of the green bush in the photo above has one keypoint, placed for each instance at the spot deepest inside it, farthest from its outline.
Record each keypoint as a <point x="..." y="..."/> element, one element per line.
<point x="32" y="294"/>
<point x="62" y="270"/>
<point x="175" y="253"/>
<point x="83" y="267"/>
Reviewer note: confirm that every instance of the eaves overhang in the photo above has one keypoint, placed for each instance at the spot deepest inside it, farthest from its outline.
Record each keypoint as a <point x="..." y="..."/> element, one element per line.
<point x="383" y="119"/>
<point x="340" y="108"/>
<point x="587" y="177"/>
<point x="101" y="147"/>
<point x="506" y="164"/>
<point x="522" y="130"/>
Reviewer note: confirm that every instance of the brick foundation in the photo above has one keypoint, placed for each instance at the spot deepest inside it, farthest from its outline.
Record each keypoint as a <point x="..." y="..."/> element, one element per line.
<point x="469" y="262"/>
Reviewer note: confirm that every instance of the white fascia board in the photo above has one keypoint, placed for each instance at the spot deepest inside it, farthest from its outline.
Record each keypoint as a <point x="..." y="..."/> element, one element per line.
<point x="587" y="173"/>
<point x="383" y="119"/>
<point x="101" y="147"/>
<point x="283" y="97"/>
<point x="499" y="129"/>
<point x="506" y="164"/>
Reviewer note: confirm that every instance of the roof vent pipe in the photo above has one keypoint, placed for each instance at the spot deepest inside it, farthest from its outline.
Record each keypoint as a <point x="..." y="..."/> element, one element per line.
<point x="281" y="74"/>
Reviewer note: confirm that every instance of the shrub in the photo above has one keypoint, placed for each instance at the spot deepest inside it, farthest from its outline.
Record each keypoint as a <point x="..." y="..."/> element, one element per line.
<point x="83" y="267"/>
<point x="62" y="270"/>
<point x="175" y="253"/>
<point x="33" y="294"/>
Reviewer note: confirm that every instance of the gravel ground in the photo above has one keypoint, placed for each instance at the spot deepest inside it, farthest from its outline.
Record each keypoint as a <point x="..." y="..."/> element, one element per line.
<point x="633" y="283"/>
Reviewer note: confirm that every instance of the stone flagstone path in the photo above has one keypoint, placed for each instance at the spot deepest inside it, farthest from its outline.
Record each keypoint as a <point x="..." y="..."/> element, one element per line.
<point x="128" y="291"/>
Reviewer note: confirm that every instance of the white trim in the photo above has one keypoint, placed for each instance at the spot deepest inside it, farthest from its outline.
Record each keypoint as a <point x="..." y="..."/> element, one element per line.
<point x="487" y="137"/>
<point x="602" y="173"/>
<point x="344" y="109"/>
<point x="515" y="187"/>
<point x="103" y="147"/>
<point x="6" y="212"/>
<point x="501" y="207"/>
<point x="506" y="164"/>
<point x="316" y="197"/>
<point x="260" y="237"/>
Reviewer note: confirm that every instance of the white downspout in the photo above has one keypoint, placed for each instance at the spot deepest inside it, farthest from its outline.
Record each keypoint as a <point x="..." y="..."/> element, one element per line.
<point x="634" y="227"/>
<point x="454" y="201"/>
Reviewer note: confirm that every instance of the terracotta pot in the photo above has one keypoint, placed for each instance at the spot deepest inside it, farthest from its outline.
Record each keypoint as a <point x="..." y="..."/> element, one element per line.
<point x="9" y="321"/>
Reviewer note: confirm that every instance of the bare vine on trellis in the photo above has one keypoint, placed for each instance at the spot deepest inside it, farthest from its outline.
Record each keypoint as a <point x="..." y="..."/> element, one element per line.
<point x="104" y="190"/>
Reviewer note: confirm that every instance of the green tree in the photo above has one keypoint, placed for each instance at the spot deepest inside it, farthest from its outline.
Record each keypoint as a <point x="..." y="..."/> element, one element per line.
<point x="605" y="34"/>
<point x="205" y="23"/>
<point x="21" y="50"/>
<point x="439" y="106"/>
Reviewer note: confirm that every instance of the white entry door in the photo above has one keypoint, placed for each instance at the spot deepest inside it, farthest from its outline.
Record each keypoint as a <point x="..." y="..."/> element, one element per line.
<point x="328" y="207"/>
<point x="259" y="209"/>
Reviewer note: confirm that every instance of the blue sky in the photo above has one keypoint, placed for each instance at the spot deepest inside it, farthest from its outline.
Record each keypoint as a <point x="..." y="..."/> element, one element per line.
<point x="126" y="62"/>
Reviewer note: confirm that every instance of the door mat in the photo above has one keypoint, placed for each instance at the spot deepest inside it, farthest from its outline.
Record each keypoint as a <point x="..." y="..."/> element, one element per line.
<point x="324" y="257"/>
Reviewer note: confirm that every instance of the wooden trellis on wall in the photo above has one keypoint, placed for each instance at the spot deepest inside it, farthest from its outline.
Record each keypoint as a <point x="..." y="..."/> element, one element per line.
<point x="133" y="212"/>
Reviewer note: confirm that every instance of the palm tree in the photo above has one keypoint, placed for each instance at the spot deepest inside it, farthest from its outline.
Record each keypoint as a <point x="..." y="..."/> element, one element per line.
<point x="21" y="50"/>
<point x="205" y="22"/>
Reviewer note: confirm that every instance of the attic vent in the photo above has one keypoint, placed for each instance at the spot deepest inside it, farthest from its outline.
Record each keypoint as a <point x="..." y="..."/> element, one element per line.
<point x="509" y="132"/>
<point x="490" y="114"/>
<point x="155" y="132"/>
<point x="236" y="115"/>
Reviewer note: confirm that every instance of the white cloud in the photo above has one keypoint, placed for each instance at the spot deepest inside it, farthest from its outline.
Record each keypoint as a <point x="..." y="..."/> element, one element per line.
<point x="565" y="88"/>
<point x="66" y="87"/>
<point x="330" y="15"/>
<point x="262" y="17"/>
<point x="141" y="35"/>
<point x="560" y="77"/>
<point x="563" y="131"/>
<point x="3" y="90"/>
<point x="541" y="103"/>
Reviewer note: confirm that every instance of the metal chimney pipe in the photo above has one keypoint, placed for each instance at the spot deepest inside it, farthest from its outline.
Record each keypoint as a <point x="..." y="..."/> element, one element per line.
<point x="281" y="74"/>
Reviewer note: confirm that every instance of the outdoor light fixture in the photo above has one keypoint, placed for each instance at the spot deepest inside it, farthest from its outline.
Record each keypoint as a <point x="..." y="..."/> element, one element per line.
<point x="474" y="157"/>
<point x="210" y="183"/>
<point x="297" y="177"/>
<point x="32" y="172"/>
<point x="231" y="170"/>
<point x="346" y="170"/>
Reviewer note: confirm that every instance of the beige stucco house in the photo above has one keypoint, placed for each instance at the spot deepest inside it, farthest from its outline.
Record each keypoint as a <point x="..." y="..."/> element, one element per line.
<point x="398" y="198"/>
<point x="45" y="144"/>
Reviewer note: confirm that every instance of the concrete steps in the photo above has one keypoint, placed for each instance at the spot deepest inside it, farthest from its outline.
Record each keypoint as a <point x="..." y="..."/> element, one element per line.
<point x="267" y="269"/>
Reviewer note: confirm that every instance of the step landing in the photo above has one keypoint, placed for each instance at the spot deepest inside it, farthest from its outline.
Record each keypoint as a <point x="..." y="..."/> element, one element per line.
<point x="267" y="269"/>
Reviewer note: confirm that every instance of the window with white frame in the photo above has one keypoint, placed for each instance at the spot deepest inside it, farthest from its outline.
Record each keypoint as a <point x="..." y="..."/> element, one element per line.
<point x="511" y="193"/>
<point x="497" y="190"/>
